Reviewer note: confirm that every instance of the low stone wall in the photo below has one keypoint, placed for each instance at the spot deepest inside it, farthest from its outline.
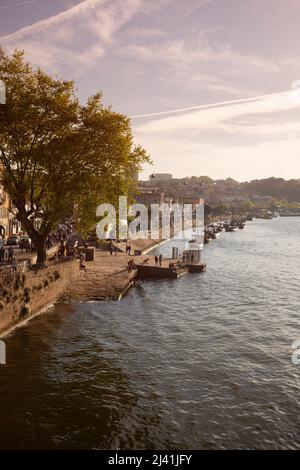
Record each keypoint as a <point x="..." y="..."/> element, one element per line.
<point x="24" y="294"/>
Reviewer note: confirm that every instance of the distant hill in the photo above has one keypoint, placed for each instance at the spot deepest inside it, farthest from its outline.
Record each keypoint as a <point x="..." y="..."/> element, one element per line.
<point x="277" y="188"/>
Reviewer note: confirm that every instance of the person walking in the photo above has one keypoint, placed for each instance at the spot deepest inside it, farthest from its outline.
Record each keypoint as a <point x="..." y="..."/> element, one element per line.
<point x="160" y="259"/>
<point x="48" y="242"/>
<point x="28" y="246"/>
<point x="156" y="259"/>
<point x="62" y="248"/>
<point x="14" y="265"/>
<point x="1" y="254"/>
<point x="10" y="254"/>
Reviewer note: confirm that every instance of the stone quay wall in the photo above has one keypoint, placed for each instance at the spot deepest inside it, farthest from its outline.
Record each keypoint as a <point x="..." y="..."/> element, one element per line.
<point x="24" y="294"/>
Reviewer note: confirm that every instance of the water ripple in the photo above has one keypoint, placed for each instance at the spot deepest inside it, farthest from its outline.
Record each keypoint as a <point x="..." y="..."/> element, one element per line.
<point x="203" y="362"/>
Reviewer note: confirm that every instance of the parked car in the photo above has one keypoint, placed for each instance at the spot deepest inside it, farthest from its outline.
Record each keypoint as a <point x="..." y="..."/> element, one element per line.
<point x="25" y="243"/>
<point x="13" y="240"/>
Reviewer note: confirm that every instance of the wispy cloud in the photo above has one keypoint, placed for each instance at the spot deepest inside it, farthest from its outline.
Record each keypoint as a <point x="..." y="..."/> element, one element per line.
<point x="182" y="52"/>
<point x="195" y="63"/>
<point x="234" y="133"/>
<point x="74" y="38"/>
<point x="145" y="33"/>
<point x="57" y="20"/>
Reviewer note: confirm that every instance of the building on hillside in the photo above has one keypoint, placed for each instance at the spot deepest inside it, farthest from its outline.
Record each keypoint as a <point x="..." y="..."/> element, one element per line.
<point x="150" y="195"/>
<point x="160" y="177"/>
<point x="193" y="199"/>
<point x="261" y="199"/>
<point x="234" y="199"/>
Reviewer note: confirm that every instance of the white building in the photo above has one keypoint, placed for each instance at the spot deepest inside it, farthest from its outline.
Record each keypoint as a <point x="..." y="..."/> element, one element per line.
<point x="160" y="177"/>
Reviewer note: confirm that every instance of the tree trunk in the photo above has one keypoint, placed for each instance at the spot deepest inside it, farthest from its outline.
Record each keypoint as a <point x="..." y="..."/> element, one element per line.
<point x="39" y="245"/>
<point x="38" y="239"/>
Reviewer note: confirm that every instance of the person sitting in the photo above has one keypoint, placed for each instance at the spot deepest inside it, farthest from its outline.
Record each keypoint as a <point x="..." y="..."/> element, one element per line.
<point x="130" y="265"/>
<point x="81" y="264"/>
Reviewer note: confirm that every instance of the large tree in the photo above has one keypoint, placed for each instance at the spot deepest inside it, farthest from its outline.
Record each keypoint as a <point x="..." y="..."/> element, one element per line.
<point x="60" y="159"/>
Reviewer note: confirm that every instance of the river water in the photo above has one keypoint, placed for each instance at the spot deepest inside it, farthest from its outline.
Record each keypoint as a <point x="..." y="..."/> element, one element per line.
<point x="203" y="362"/>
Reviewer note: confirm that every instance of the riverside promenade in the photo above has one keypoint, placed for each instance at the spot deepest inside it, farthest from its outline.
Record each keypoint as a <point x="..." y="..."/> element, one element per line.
<point x="107" y="277"/>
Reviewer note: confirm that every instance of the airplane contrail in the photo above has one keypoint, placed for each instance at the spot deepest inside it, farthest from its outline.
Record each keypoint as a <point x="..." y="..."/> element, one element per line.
<point x="211" y="105"/>
<point x="18" y="4"/>
<point x="41" y="25"/>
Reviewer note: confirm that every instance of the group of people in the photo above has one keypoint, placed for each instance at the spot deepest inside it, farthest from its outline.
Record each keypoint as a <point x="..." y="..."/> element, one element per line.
<point x="158" y="260"/>
<point x="68" y="248"/>
<point x="131" y="265"/>
<point x="188" y="256"/>
<point x="7" y="255"/>
<point x="113" y="249"/>
<point x="174" y="265"/>
<point x="63" y="232"/>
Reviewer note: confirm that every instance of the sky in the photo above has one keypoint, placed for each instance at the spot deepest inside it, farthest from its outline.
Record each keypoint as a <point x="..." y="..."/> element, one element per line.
<point x="212" y="86"/>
